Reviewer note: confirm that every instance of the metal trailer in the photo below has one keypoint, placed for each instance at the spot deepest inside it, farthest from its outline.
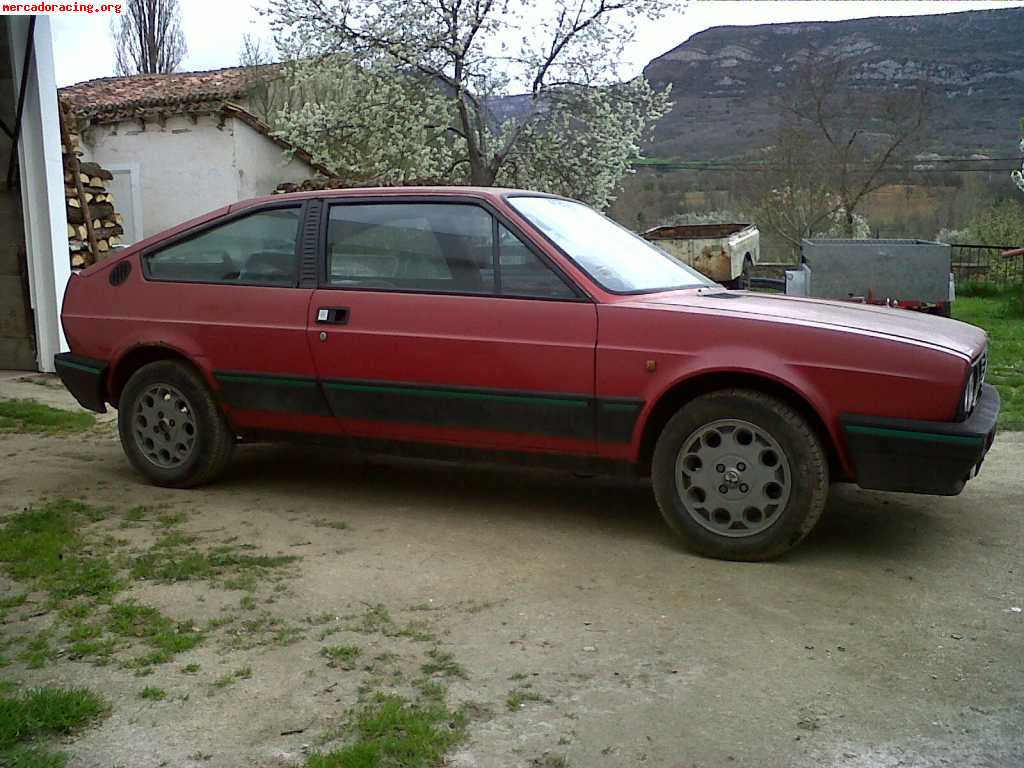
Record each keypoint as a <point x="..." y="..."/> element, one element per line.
<point x="913" y="274"/>
<point x="724" y="252"/>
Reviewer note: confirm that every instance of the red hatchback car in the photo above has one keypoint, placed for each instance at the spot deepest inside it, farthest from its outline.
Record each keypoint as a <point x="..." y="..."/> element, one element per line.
<point x="487" y="324"/>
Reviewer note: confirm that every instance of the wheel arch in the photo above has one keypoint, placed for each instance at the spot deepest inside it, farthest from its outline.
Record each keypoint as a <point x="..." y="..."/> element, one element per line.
<point x="143" y="354"/>
<point x="681" y="392"/>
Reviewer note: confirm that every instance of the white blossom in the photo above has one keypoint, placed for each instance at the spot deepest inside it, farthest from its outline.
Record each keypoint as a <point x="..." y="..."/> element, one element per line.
<point x="523" y="92"/>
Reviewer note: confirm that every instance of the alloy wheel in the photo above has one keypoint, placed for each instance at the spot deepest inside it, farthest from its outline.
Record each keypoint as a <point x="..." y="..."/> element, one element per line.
<point x="733" y="478"/>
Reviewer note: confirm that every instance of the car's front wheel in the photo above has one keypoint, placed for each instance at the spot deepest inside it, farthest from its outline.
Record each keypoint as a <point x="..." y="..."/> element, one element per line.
<point x="171" y="428"/>
<point x="740" y="475"/>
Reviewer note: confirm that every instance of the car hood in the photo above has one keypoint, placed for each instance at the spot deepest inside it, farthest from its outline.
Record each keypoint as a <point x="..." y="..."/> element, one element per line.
<point x="937" y="331"/>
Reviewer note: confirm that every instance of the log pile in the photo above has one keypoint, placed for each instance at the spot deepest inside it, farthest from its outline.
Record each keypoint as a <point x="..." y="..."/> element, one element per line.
<point x="94" y="227"/>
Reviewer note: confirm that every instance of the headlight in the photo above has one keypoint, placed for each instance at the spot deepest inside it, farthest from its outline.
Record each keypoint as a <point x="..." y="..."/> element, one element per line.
<point x="972" y="390"/>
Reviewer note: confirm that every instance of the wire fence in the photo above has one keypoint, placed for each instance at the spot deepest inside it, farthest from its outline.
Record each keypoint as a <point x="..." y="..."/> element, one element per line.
<point x="998" y="266"/>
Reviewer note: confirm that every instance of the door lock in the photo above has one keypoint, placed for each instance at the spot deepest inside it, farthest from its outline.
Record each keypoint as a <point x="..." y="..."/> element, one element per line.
<point x="323" y="335"/>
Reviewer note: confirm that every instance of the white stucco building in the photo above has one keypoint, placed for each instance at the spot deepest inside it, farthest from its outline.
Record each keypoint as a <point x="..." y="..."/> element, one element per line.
<point x="179" y="144"/>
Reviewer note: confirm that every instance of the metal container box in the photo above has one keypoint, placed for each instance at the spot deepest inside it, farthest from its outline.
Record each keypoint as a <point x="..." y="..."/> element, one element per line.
<point x="879" y="271"/>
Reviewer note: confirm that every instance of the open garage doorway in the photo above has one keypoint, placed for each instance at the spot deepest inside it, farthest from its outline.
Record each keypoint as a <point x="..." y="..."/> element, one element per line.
<point x="17" y="337"/>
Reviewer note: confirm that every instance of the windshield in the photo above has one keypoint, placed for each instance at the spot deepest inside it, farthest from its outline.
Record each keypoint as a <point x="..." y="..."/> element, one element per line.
<point x="618" y="260"/>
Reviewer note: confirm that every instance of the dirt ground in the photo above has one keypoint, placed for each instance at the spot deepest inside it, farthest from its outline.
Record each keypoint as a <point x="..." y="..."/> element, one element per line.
<point x="889" y="638"/>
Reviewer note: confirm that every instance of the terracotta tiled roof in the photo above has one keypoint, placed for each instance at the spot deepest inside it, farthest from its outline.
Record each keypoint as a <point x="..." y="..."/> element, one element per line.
<point x="111" y="99"/>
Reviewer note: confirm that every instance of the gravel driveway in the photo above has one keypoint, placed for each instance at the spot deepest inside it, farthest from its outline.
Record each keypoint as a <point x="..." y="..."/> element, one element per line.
<point x="578" y="632"/>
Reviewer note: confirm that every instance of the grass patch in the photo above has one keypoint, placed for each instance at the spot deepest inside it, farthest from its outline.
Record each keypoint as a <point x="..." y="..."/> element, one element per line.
<point x="391" y="731"/>
<point x="342" y="656"/>
<point x="169" y="560"/>
<point x="164" y="635"/>
<point x="151" y="693"/>
<point x="1002" y="316"/>
<point x="377" y="619"/>
<point x="244" y="673"/>
<point x="519" y="697"/>
<point x="443" y="663"/>
<point x="38" y="652"/>
<point x="9" y="602"/>
<point x="190" y="669"/>
<point x="42" y="713"/>
<point x="32" y="417"/>
<point x="43" y="546"/>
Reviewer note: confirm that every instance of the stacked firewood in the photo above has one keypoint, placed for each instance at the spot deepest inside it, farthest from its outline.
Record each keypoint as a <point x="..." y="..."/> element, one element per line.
<point x="94" y="227"/>
<point x="89" y="201"/>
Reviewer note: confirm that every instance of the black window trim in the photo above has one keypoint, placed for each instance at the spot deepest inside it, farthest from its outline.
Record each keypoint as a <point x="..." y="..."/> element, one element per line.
<point x="540" y="233"/>
<point x="579" y="294"/>
<point x="229" y="218"/>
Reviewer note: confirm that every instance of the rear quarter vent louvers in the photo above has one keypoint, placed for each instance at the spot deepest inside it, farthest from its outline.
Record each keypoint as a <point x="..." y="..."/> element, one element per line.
<point x="120" y="273"/>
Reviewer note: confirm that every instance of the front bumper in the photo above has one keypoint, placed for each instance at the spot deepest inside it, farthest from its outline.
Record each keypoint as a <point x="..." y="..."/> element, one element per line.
<point x="933" y="457"/>
<point x="85" y="378"/>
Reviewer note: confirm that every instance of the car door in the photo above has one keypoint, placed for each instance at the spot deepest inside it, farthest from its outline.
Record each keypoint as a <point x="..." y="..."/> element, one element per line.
<point x="416" y="338"/>
<point x="228" y="296"/>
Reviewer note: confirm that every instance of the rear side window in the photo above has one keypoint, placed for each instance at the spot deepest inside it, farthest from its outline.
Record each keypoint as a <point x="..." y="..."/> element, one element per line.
<point x="433" y="247"/>
<point x="259" y="249"/>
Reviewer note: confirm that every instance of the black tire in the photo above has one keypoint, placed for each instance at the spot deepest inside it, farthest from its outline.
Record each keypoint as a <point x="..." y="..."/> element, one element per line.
<point x="808" y="475"/>
<point x="212" y="440"/>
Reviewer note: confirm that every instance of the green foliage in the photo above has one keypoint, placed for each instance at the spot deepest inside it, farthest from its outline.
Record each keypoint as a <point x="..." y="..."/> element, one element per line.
<point x="391" y="731"/>
<point x="151" y="693"/>
<point x="170" y="561"/>
<point x="30" y="416"/>
<point x="517" y="698"/>
<point x="144" y="622"/>
<point x="1002" y="225"/>
<point x="42" y="546"/>
<point x="343" y="656"/>
<point x="230" y="678"/>
<point x="39" y="713"/>
<point x="38" y="652"/>
<point x="1002" y="316"/>
<point x="443" y="663"/>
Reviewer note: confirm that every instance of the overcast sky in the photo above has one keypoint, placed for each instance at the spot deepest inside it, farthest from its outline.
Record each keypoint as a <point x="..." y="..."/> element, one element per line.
<point x="214" y="29"/>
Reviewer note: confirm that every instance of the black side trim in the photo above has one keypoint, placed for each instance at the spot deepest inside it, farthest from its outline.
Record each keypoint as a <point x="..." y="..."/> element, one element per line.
<point x="267" y="392"/>
<point x="921" y="456"/>
<point x="85" y="378"/>
<point x="445" y="452"/>
<point x="495" y="410"/>
<point x="616" y="419"/>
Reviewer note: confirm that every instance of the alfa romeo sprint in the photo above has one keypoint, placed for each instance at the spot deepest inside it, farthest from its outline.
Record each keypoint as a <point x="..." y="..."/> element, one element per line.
<point x="498" y="324"/>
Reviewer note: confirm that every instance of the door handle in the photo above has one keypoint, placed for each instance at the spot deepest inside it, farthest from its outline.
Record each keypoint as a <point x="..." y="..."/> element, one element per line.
<point x="332" y="315"/>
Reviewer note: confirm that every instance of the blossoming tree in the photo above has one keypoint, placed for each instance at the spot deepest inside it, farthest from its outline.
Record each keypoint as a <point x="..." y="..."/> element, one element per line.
<point x="517" y="92"/>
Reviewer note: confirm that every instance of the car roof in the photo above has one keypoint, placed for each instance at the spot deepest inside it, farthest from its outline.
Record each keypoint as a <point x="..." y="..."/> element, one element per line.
<point x="487" y="193"/>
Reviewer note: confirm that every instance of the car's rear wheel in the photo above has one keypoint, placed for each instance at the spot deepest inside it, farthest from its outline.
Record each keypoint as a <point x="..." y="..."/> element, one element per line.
<point x="739" y="475"/>
<point x="171" y="428"/>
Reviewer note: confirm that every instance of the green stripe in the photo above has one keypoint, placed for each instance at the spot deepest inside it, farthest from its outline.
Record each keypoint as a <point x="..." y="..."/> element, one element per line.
<point x="257" y="379"/>
<point x="460" y="394"/>
<point x="906" y="434"/>
<point x="81" y="366"/>
<point x="620" y="406"/>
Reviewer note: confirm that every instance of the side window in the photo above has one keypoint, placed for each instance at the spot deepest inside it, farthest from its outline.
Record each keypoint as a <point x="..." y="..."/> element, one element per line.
<point x="523" y="274"/>
<point x="256" y="250"/>
<point x="440" y="247"/>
